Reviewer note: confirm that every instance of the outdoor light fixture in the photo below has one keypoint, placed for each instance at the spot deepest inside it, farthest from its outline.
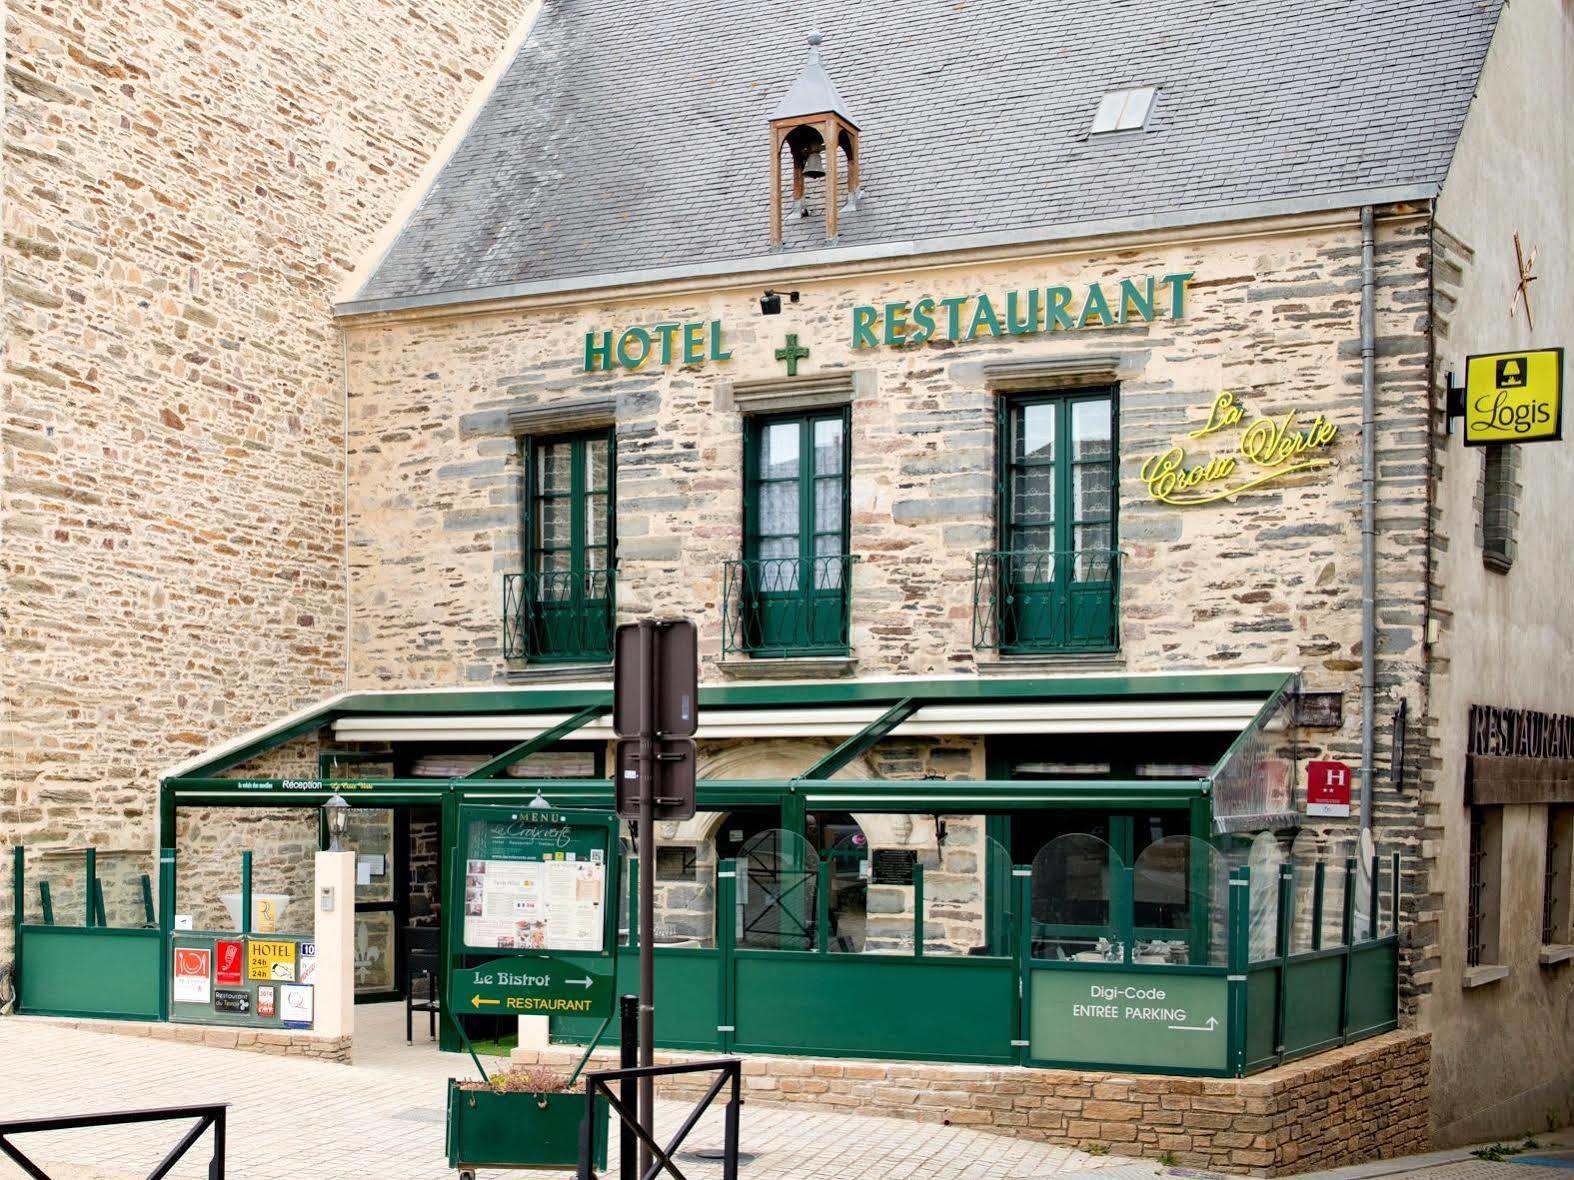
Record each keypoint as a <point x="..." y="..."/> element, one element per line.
<point x="771" y="301"/>
<point x="336" y="814"/>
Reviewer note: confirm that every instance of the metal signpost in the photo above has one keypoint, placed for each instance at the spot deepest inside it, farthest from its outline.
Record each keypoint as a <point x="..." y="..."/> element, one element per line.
<point x="655" y="708"/>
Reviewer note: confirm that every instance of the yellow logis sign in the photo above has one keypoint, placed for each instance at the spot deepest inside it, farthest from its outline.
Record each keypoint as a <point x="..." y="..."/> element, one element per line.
<point x="1268" y="449"/>
<point x="1514" y="397"/>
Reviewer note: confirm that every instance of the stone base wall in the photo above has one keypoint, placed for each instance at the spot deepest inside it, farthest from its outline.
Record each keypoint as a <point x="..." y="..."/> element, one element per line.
<point x="1366" y="1101"/>
<point x="279" y="1042"/>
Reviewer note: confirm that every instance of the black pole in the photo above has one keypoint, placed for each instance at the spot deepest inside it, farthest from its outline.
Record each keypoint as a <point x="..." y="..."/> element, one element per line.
<point x="628" y="1042"/>
<point x="647" y="881"/>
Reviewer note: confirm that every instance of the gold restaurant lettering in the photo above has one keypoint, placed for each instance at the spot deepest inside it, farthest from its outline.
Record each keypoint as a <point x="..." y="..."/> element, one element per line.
<point x="1271" y="448"/>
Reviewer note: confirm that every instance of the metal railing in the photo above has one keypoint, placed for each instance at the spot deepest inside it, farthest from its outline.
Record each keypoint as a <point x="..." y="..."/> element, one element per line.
<point x="729" y="1076"/>
<point x="206" y="1116"/>
<point x="1042" y="600"/>
<point x="787" y="606"/>
<point x="558" y="615"/>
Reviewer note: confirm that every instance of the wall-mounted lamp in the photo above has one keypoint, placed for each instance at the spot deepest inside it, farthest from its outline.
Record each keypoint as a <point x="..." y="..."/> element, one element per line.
<point x="771" y="301"/>
<point x="336" y="814"/>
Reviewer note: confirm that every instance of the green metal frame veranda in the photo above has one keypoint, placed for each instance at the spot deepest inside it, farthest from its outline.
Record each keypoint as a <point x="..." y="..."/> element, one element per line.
<point x="215" y="780"/>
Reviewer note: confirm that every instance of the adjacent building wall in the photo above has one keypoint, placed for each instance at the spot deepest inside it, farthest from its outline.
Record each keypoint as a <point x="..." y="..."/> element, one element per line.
<point x="186" y="184"/>
<point x="1503" y="638"/>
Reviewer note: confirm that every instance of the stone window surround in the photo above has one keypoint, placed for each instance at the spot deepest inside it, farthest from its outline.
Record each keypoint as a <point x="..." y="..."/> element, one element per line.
<point x="1483" y="870"/>
<point x="1498" y="500"/>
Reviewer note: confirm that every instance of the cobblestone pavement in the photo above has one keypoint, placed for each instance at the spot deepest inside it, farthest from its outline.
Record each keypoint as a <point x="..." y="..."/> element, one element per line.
<point x="382" y="1118"/>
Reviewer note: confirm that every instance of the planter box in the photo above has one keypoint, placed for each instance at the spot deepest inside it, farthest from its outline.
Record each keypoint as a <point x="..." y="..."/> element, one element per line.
<point x="518" y="1130"/>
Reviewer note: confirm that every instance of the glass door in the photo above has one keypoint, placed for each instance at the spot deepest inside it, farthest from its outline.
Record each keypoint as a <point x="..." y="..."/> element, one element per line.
<point x="379" y="838"/>
<point x="1059" y="568"/>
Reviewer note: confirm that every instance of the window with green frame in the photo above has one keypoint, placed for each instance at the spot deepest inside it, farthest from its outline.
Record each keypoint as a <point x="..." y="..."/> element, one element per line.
<point x="1058" y="567"/>
<point x="788" y="596"/>
<point x="564" y="607"/>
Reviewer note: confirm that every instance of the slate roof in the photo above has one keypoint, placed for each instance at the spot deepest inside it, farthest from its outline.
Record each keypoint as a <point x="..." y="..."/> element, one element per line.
<point x="630" y="135"/>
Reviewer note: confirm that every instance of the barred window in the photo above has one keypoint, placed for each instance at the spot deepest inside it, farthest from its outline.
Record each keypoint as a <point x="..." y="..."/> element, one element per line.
<point x="1481" y="917"/>
<point x="1555" y="888"/>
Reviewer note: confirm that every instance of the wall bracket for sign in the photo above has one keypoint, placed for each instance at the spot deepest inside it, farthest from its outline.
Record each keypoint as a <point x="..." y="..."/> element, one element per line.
<point x="1454" y="403"/>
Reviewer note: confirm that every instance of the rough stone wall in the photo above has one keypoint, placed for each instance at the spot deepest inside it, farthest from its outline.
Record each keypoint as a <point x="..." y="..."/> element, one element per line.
<point x="1364" y="1101"/>
<point x="186" y="184"/>
<point x="1271" y="577"/>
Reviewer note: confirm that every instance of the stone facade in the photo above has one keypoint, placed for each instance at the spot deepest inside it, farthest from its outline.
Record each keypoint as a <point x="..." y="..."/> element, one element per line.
<point x="1271" y="577"/>
<point x="186" y="186"/>
<point x="1366" y="1101"/>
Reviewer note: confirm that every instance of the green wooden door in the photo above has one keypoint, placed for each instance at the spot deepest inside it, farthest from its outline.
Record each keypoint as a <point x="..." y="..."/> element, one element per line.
<point x="796" y="534"/>
<point x="1059" y="567"/>
<point x="568" y="590"/>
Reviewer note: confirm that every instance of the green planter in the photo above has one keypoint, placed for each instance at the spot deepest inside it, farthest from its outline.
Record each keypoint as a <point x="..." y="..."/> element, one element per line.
<point x="518" y="1130"/>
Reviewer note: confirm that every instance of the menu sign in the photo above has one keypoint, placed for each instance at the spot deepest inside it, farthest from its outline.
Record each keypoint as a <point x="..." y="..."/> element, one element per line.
<point x="535" y="880"/>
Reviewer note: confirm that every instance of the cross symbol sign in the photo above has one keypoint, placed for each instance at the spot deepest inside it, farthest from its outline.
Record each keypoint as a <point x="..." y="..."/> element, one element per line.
<point x="791" y="354"/>
<point x="1527" y="275"/>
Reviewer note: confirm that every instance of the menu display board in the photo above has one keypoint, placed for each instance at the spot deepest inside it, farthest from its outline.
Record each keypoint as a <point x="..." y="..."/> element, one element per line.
<point x="535" y="880"/>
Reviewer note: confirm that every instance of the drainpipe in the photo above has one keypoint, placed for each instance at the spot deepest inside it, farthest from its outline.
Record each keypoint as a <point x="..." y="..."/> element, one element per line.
<point x="1368" y="507"/>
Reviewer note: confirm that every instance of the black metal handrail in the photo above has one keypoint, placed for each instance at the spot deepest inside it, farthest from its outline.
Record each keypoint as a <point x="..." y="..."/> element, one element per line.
<point x="731" y="1069"/>
<point x="206" y="1116"/>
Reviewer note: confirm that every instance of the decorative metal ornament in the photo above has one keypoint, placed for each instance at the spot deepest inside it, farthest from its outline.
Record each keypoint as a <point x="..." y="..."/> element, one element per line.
<point x="1524" y="267"/>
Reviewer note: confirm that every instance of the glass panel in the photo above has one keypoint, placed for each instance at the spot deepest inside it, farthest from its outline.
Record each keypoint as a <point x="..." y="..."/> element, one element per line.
<point x="1033" y="495"/>
<point x="374" y="952"/>
<point x="1091" y="488"/>
<point x="128" y="882"/>
<point x="828" y="506"/>
<point x="1035" y="431"/>
<point x="829" y="564"/>
<point x="598" y="457"/>
<point x="828" y="447"/>
<point x="779" y="450"/>
<point x="1180" y="903"/>
<point x="1035" y="550"/>
<point x="283" y="842"/>
<point x="1094" y="561"/>
<point x="554" y="524"/>
<point x="779" y="510"/>
<point x="957" y="874"/>
<point x="554" y="467"/>
<point x="596" y="519"/>
<point x="776" y="892"/>
<point x="1071" y="911"/>
<point x="1090" y="430"/>
<point x="370" y="835"/>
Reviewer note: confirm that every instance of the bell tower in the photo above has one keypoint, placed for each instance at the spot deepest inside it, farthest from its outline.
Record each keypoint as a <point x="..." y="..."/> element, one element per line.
<point x="812" y="121"/>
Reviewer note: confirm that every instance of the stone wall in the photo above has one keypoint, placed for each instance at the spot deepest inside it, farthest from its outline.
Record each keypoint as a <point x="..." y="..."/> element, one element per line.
<point x="186" y="185"/>
<point x="1269" y="577"/>
<point x="276" y="1042"/>
<point x="1365" y="1101"/>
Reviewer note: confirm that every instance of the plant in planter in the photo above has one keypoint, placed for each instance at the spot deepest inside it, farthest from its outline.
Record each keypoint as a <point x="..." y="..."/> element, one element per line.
<point x="523" y="1118"/>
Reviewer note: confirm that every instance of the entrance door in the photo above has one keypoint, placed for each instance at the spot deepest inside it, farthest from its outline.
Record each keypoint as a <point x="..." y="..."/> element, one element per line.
<point x="380" y="839"/>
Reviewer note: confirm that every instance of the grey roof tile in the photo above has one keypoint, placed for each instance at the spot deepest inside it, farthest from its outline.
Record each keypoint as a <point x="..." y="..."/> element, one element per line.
<point x="631" y="134"/>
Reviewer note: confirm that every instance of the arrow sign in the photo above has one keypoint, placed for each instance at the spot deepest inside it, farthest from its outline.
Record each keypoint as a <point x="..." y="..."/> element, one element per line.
<point x="1213" y="1023"/>
<point x="533" y="986"/>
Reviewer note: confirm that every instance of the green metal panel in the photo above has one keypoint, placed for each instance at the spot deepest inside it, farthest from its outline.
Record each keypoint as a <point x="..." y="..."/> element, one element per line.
<point x="688" y="1001"/>
<point x="1374" y="988"/>
<point x="1262" y="1005"/>
<point x="1313" y="986"/>
<point x="75" y="971"/>
<point x="932" y="1009"/>
<point x="1140" y="1018"/>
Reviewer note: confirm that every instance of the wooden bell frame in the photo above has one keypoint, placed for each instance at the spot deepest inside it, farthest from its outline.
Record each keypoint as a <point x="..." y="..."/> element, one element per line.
<point x="827" y="129"/>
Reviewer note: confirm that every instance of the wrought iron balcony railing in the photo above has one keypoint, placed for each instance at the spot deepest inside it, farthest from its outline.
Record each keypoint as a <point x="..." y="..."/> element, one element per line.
<point x="787" y="606"/>
<point x="1029" y="601"/>
<point x="558" y="615"/>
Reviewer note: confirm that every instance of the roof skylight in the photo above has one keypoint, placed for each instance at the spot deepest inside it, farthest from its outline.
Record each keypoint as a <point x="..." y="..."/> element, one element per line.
<point x="1124" y="110"/>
